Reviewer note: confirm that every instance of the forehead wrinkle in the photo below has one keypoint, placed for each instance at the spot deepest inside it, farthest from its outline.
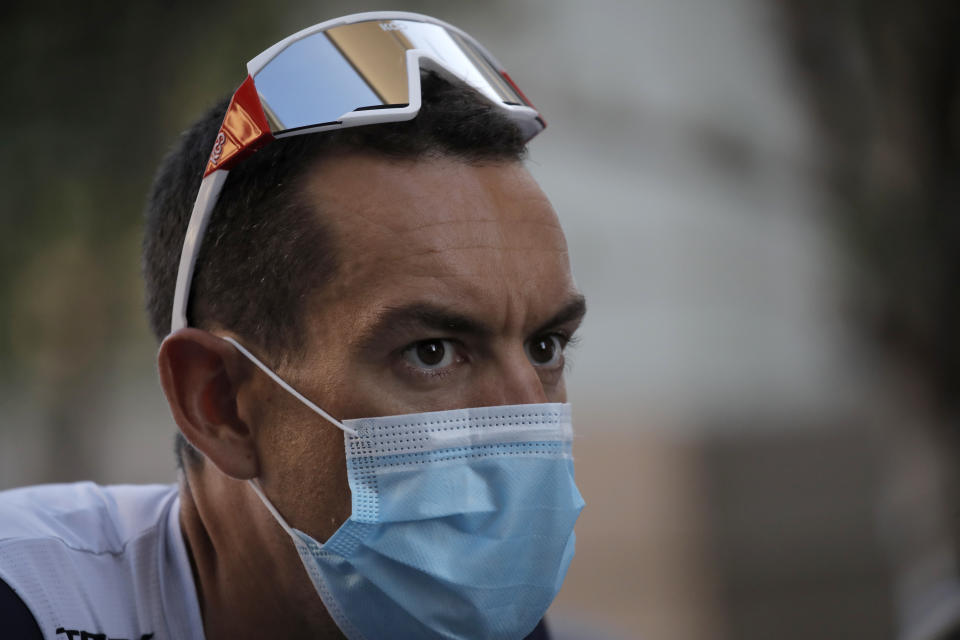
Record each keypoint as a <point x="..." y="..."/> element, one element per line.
<point x="484" y="287"/>
<point x="334" y="204"/>
<point x="476" y="247"/>
<point x="453" y="236"/>
<point x="498" y="221"/>
<point x="430" y="262"/>
<point x="379" y="225"/>
<point x="501" y="233"/>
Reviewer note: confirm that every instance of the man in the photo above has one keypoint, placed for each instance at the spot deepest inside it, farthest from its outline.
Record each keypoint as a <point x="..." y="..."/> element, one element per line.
<point x="405" y="282"/>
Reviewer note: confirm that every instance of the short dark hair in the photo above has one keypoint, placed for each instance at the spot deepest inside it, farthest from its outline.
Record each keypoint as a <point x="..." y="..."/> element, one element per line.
<point x="266" y="248"/>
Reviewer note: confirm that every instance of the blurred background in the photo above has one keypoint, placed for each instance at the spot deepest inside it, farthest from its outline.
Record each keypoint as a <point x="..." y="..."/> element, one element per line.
<point x="762" y="199"/>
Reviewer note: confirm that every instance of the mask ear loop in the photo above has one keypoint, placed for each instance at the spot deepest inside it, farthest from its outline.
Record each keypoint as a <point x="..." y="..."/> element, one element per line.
<point x="296" y="394"/>
<point x="255" y="482"/>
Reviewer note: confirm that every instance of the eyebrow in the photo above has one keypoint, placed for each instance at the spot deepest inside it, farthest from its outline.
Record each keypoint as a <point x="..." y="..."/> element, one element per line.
<point x="418" y="316"/>
<point x="573" y="311"/>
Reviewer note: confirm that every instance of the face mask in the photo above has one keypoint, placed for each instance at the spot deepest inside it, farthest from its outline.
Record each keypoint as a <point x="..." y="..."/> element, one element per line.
<point x="461" y="524"/>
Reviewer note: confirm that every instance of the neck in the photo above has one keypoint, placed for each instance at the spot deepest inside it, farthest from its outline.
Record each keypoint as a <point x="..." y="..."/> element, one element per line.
<point x="248" y="575"/>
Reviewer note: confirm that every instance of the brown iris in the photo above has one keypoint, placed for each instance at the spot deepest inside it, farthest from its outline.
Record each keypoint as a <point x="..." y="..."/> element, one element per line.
<point x="431" y="352"/>
<point x="543" y="350"/>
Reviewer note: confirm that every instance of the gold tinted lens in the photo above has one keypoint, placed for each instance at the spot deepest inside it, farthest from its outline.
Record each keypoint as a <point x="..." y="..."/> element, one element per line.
<point x="377" y="51"/>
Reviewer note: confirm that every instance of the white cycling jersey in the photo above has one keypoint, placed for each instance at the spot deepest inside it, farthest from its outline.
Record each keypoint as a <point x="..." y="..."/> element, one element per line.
<point x="100" y="563"/>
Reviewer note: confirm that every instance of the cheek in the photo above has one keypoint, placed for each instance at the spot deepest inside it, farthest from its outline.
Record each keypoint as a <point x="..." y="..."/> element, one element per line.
<point x="301" y="454"/>
<point x="306" y="470"/>
<point x="382" y="391"/>
<point x="557" y="392"/>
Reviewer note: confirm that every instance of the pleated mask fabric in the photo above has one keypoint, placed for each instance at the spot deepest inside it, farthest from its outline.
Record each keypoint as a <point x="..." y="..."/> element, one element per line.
<point x="461" y="525"/>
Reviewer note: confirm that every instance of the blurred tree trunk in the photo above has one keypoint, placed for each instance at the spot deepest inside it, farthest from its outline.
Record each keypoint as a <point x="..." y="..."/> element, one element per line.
<point x="883" y="79"/>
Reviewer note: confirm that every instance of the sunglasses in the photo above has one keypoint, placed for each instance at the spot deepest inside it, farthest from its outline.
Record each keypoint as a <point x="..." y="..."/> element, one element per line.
<point x="357" y="70"/>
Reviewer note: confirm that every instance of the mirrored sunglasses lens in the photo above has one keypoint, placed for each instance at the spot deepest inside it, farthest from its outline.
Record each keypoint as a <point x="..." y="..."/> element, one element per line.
<point x="318" y="79"/>
<point x="311" y="83"/>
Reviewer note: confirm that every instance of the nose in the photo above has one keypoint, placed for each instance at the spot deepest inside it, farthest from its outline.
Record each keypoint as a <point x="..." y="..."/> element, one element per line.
<point x="511" y="379"/>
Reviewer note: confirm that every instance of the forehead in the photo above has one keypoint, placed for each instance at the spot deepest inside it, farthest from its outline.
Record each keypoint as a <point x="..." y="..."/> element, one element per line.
<point x="440" y="230"/>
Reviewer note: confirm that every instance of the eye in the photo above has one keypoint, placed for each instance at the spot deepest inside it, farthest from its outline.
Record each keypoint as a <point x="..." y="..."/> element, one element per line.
<point x="545" y="350"/>
<point x="430" y="354"/>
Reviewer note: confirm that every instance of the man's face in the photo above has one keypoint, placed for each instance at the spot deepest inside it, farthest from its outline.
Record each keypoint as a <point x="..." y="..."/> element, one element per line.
<point x="453" y="290"/>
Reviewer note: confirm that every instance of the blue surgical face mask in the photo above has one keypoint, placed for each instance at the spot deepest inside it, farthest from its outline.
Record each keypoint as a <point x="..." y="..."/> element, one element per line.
<point x="461" y="524"/>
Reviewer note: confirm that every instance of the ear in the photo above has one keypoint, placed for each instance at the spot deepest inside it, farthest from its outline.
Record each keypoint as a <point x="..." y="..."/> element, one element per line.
<point x="201" y="375"/>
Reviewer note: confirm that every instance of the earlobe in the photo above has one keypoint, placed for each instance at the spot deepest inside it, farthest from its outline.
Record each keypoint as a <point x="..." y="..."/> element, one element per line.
<point x="201" y="375"/>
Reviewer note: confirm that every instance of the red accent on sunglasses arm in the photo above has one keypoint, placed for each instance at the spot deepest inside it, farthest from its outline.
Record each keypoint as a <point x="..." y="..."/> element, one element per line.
<point x="523" y="96"/>
<point x="244" y="130"/>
